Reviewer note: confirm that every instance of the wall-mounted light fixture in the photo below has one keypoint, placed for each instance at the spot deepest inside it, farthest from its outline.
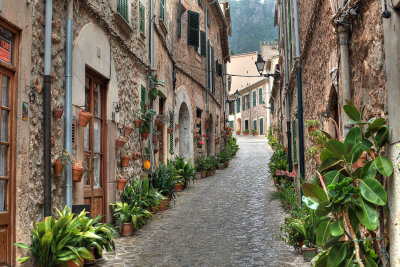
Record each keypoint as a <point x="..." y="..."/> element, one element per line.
<point x="260" y="63"/>
<point x="326" y="114"/>
<point x="116" y="107"/>
<point x="32" y="95"/>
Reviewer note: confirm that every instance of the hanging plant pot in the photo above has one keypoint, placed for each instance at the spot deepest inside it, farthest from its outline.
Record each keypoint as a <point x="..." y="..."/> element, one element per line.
<point x="156" y="150"/>
<point x="176" y="126"/>
<point x="120" y="142"/>
<point x="178" y="187"/>
<point x="58" y="112"/>
<point x="121" y="183"/>
<point x="137" y="123"/>
<point x="84" y="118"/>
<point x="77" y="173"/>
<point x="128" y="130"/>
<point x="145" y="135"/>
<point x="126" y="229"/>
<point x="135" y="156"/>
<point x="208" y="125"/>
<point x="176" y="140"/>
<point x="125" y="161"/>
<point x="157" y="123"/>
<point x="155" y="138"/>
<point x="312" y="129"/>
<point x="169" y="130"/>
<point x="58" y="167"/>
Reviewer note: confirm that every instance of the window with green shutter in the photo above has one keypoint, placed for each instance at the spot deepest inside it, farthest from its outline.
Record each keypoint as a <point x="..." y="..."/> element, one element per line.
<point x="162" y="10"/>
<point x="233" y="107"/>
<point x="200" y="2"/>
<point x="294" y="137"/>
<point x="255" y="125"/>
<point x="231" y="124"/>
<point x="142" y="98"/>
<point x="261" y="126"/>
<point x="171" y="136"/>
<point x="193" y="29"/>
<point x="208" y="18"/>
<point x="142" y="25"/>
<point x="203" y="43"/>
<point x="179" y="19"/>
<point x="244" y="103"/>
<point x="260" y="96"/>
<point x="238" y="105"/>
<point x="248" y="101"/>
<point x="254" y="98"/>
<point x="246" y="124"/>
<point x="122" y="9"/>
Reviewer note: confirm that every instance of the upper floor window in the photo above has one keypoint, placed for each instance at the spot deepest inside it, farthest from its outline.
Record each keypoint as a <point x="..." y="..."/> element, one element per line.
<point x="142" y="19"/>
<point x="260" y="96"/>
<point x="123" y="9"/>
<point x="193" y="29"/>
<point x="6" y="45"/>
<point x="162" y="10"/>
<point x="254" y="98"/>
<point x="238" y="104"/>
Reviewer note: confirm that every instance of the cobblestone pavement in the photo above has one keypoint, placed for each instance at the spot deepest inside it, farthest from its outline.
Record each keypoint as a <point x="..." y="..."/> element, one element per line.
<point x="223" y="220"/>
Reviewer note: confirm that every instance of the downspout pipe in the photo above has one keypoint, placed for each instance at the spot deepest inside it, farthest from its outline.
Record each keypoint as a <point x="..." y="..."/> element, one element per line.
<point x="152" y="17"/>
<point x="46" y="109"/>
<point x="207" y="56"/>
<point x="299" y="91"/>
<point x="68" y="100"/>
<point x="286" y="87"/>
<point x="343" y="30"/>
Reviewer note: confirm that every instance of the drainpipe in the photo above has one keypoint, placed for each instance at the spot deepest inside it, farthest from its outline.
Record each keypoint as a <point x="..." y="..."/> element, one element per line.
<point x="343" y="30"/>
<point x="152" y="17"/>
<point x="299" y="91"/>
<point x="207" y="55"/>
<point x="286" y="87"/>
<point x="68" y="101"/>
<point x="46" y="109"/>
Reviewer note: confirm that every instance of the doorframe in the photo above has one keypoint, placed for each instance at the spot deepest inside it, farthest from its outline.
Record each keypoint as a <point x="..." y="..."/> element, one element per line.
<point x="13" y="94"/>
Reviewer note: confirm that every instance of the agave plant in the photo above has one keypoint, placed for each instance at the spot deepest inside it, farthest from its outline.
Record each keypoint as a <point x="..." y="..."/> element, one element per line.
<point x="350" y="194"/>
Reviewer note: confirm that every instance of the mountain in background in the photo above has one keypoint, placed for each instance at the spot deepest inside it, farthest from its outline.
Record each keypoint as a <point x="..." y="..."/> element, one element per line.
<point x="252" y="22"/>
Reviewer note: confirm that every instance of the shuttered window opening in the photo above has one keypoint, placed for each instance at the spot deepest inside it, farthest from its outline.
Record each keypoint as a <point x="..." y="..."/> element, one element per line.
<point x="212" y="71"/>
<point x="218" y="68"/>
<point x="248" y="101"/>
<point x="143" y="98"/>
<point x="233" y="107"/>
<point x="255" y="125"/>
<point x="203" y="43"/>
<point x="208" y="17"/>
<point x="244" y="103"/>
<point x="260" y="96"/>
<point x="294" y="137"/>
<point x="180" y="19"/>
<point x="246" y="124"/>
<point x="142" y="24"/>
<point x="238" y="105"/>
<point x="254" y="98"/>
<point x="122" y="9"/>
<point x="171" y="136"/>
<point x="193" y="29"/>
<point x="162" y="10"/>
<point x="261" y="126"/>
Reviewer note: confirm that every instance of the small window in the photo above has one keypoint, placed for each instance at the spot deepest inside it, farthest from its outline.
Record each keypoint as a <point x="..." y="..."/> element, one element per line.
<point x="246" y="124"/>
<point x="260" y="96"/>
<point x="244" y="103"/>
<point x="142" y="16"/>
<point x="162" y="10"/>
<point x="255" y="125"/>
<point x="143" y="98"/>
<point x="193" y="29"/>
<point x="254" y="98"/>
<point x="123" y="9"/>
<point x="238" y="105"/>
<point x="248" y="101"/>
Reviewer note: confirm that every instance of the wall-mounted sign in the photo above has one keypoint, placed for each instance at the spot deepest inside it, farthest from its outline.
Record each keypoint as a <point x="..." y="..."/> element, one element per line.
<point x="25" y="111"/>
<point x="5" y="50"/>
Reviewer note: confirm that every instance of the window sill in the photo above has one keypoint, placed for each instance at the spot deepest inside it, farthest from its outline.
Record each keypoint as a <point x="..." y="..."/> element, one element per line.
<point x="123" y="24"/>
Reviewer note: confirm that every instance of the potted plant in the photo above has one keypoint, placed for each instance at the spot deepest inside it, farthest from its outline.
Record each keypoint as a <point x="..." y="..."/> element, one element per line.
<point x="238" y="132"/>
<point x="58" y="112"/>
<point x="121" y="182"/>
<point x="128" y="129"/>
<point x="123" y="215"/>
<point x="137" y="122"/>
<point x="63" y="159"/>
<point x="84" y="118"/>
<point x="135" y="155"/>
<point x="312" y="125"/>
<point x="77" y="171"/>
<point x="144" y="130"/>
<point x="176" y="126"/>
<point x="170" y="130"/>
<point x="156" y="137"/>
<point x="120" y="141"/>
<point x="255" y="132"/>
<point x="246" y="132"/>
<point x="125" y="158"/>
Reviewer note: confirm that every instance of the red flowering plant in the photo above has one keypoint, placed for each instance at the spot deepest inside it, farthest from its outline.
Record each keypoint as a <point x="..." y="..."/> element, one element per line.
<point x="282" y="177"/>
<point x="228" y="133"/>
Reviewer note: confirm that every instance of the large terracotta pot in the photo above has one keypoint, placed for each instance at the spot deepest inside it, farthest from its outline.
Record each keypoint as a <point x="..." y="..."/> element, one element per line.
<point x="128" y="130"/>
<point x="203" y="174"/>
<point x="164" y="204"/>
<point x="176" y="126"/>
<point x="125" y="161"/>
<point x="90" y="262"/>
<point x="121" y="184"/>
<point x="77" y="173"/>
<point x="84" y="118"/>
<point x="58" y="112"/>
<point x="308" y="253"/>
<point x="178" y="187"/>
<point x="120" y="142"/>
<point x="126" y="229"/>
<point x="137" y="123"/>
<point x="312" y="129"/>
<point x="145" y="135"/>
<point x="58" y="167"/>
<point x="70" y="263"/>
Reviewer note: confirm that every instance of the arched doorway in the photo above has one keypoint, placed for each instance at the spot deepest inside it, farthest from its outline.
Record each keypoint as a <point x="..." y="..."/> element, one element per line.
<point x="238" y="124"/>
<point x="184" y="132"/>
<point x="333" y="108"/>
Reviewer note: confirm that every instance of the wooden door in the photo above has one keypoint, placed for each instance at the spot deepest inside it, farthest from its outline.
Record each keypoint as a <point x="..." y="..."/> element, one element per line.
<point x="6" y="166"/>
<point x="94" y="145"/>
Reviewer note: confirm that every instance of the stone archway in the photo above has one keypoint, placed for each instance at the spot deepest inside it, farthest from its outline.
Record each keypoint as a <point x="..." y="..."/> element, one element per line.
<point x="333" y="111"/>
<point x="184" y="132"/>
<point x="238" y="124"/>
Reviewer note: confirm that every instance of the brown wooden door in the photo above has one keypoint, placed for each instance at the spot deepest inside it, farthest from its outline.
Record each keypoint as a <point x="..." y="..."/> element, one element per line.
<point x="6" y="163"/>
<point x="94" y="145"/>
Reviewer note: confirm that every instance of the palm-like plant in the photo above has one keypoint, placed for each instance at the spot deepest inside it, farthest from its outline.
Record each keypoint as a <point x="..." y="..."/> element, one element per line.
<point x="124" y="213"/>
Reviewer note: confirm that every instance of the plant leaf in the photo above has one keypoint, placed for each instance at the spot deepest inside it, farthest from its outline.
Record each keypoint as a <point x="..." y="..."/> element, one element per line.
<point x="314" y="192"/>
<point x="333" y="177"/>
<point x="23" y="260"/>
<point x="330" y="162"/>
<point x="323" y="209"/>
<point x="370" y="262"/>
<point x="337" y="228"/>
<point x="353" y="137"/>
<point x="373" y="191"/>
<point x="368" y="215"/>
<point x="22" y="245"/>
<point x="368" y="171"/>
<point x="376" y="124"/>
<point x="352" y="112"/>
<point x="336" y="147"/>
<point x="310" y="203"/>
<point x="383" y="165"/>
<point x="382" y="136"/>
<point x="322" y="233"/>
<point x="337" y="254"/>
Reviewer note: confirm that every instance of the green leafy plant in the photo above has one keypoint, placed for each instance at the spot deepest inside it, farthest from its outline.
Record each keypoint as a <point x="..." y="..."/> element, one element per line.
<point x="163" y="180"/>
<point x="184" y="169"/>
<point x="65" y="158"/>
<point x="125" y="213"/>
<point x="313" y="150"/>
<point x="311" y="123"/>
<point x="154" y="92"/>
<point x="349" y="197"/>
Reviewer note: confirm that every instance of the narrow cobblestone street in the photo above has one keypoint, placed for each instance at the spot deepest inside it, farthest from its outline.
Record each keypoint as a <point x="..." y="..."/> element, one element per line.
<point x="223" y="220"/>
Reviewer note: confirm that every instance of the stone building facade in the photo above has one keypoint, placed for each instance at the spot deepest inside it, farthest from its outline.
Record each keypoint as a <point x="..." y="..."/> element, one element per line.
<point x="113" y="46"/>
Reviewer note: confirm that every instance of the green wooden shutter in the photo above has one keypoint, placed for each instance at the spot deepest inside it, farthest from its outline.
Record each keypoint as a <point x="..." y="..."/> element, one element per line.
<point x="122" y="9"/>
<point x="261" y="126"/>
<point x="254" y="98"/>
<point x="233" y="107"/>
<point x="142" y="24"/>
<point x="243" y="103"/>
<point x="231" y="124"/>
<point x="142" y="98"/>
<point x="193" y="28"/>
<point x="212" y="71"/>
<point x="260" y="96"/>
<point x="248" y="101"/>
<point x="171" y="136"/>
<point x="255" y="125"/>
<point x="294" y="137"/>
<point x="179" y="19"/>
<point x="238" y="105"/>
<point x="162" y="10"/>
<point x="246" y="124"/>
<point x="208" y="17"/>
<point x="203" y="43"/>
<point x="199" y="2"/>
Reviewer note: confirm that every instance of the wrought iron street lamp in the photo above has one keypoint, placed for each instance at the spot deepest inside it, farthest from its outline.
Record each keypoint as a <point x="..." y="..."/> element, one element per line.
<point x="260" y="63"/>
<point x="237" y="94"/>
<point x="270" y="107"/>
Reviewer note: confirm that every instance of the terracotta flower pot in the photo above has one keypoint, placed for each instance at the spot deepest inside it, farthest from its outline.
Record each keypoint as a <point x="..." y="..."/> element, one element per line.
<point x="126" y="229"/>
<point x="169" y="130"/>
<point x="120" y="142"/>
<point x="238" y="133"/>
<point x="156" y="150"/>
<point x="77" y="173"/>
<point x="70" y="263"/>
<point x="91" y="262"/>
<point x="58" y="167"/>
<point x="128" y="130"/>
<point x="84" y="118"/>
<point x="246" y="133"/>
<point x="176" y="140"/>
<point x="157" y="123"/>
<point x="155" y="138"/>
<point x="125" y="161"/>
<point x="226" y="164"/>
<point x="137" y="123"/>
<point x="178" y="187"/>
<point x="135" y="156"/>
<point x="121" y="184"/>
<point x="58" y="112"/>
<point x="286" y="150"/>
<point x="203" y="174"/>
<point x="154" y="210"/>
<point x="145" y="135"/>
<point x="312" y="129"/>
<point x="208" y="125"/>
<point x="164" y="204"/>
